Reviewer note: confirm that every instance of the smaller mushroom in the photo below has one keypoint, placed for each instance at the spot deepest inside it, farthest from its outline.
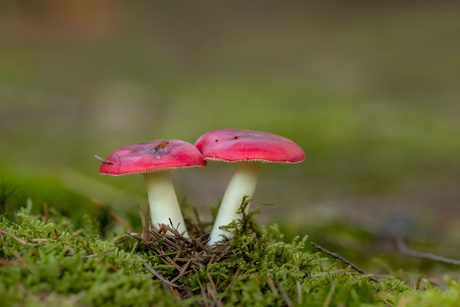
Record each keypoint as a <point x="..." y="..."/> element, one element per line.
<point x="247" y="149"/>
<point x="154" y="160"/>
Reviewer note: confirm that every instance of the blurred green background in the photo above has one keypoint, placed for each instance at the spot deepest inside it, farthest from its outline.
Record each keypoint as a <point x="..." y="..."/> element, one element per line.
<point x="369" y="90"/>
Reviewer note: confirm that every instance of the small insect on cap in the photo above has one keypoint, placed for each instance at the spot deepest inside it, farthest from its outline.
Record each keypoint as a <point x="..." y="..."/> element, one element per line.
<point x="234" y="145"/>
<point x="150" y="157"/>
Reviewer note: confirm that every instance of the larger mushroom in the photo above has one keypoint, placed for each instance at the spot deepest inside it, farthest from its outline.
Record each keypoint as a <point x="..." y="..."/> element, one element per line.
<point x="154" y="160"/>
<point x="247" y="149"/>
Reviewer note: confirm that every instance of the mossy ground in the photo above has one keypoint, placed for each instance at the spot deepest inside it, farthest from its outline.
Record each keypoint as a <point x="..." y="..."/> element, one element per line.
<point x="45" y="262"/>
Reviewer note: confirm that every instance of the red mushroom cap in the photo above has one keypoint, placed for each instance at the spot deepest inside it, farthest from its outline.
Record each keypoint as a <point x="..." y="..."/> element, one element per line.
<point x="150" y="157"/>
<point x="234" y="145"/>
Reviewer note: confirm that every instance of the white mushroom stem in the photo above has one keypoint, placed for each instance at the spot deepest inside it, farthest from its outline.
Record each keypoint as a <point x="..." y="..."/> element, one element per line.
<point x="163" y="201"/>
<point x="243" y="183"/>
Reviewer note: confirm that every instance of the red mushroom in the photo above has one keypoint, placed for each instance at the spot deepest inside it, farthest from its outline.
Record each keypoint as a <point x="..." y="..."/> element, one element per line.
<point x="248" y="149"/>
<point x="154" y="160"/>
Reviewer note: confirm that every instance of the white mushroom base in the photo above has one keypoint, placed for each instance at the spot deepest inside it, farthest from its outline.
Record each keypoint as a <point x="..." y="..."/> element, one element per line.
<point x="243" y="183"/>
<point x="163" y="201"/>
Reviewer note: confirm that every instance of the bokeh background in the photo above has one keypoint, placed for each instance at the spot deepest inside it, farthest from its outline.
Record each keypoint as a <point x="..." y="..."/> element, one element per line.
<point x="369" y="90"/>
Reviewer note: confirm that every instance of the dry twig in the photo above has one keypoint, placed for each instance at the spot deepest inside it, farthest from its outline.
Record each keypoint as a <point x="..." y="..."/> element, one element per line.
<point x="113" y="215"/>
<point x="189" y="252"/>
<point x="404" y="250"/>
<point x="285" y="296"/>
<point x="337" y="256"/>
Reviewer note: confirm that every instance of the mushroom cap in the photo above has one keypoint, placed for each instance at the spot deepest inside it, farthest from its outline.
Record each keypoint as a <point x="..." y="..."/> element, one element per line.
<point x="235" y="145"/>
<point x="152" y="156"/>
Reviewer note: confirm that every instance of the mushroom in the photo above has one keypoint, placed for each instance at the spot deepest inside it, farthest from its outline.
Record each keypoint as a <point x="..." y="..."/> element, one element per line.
<point x="247" y="149"/>
<point x="154" y="160"/>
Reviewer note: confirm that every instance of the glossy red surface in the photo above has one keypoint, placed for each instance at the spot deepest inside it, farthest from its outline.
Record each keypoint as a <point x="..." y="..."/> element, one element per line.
<point x="233" y="145"/>
<point x="152" y="156"/>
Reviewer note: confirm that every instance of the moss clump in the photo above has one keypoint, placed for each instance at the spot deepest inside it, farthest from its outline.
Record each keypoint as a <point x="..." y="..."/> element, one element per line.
<point x="46" y="263"/>
<point x="257" y="268"/>
<point x="433" y="297"/>
<point x="43" y="263"/>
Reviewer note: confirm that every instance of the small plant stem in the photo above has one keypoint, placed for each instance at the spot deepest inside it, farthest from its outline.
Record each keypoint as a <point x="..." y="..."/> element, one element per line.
<point x="285" y="296"/>
<point x="328" y="299"/>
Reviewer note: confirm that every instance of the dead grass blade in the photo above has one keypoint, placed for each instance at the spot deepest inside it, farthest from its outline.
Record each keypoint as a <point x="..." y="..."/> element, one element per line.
<point x="156" y="274"/>
<point x="113" y="215"/>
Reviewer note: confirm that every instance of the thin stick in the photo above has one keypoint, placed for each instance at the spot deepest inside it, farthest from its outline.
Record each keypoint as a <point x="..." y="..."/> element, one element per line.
<point x="176" y="233"/>
<point x="272" y="287"/>
<point x="213" y="286"/>
<point x="182" y="271"/>
<point x="285" y="296"/>
<point x="392" y="288"/>
<point x="179" y="252"/>
<point x="404" y="250"/>
<point x="299" y="291"/>
<point x="103" y="160"/>
<point x="77" y="232"/>
<point x="161" y="255"/>
<point x="16" y="238"/>
<point x="212" y="258"/>
<point x="203" y="295"/>
<point x="45" y="209"/>
<point x="144" y="233"/>
<point x="57" y="233"/>
<point x="97" y="255"/>
<point x="157" y="275"/>
<point x="337" y="256"/>
<point x="113" y="215"/>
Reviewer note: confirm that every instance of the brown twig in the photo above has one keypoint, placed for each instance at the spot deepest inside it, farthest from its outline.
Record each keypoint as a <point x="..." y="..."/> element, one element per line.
<point x="213" y="286"/>
<point x="182" y="271"/>
<point x="404" y="250"/>
<point x="185" y="254"/>
<point x="15" y="238"/>
<point x="144" y="234"/>
<point x="392" y="288"/>
<point x="338" y="257"/>
<point x="57" y="233"/>
<point x="203" y="295"/>
<point x="97" y="255"/>
<point x="272" y="287"/>
<point x="113" y="215"/>
<point x="45" y="210"/>
<point x="157" y="275"/>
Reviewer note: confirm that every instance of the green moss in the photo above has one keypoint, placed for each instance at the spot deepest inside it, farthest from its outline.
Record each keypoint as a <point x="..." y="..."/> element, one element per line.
<point x="262" y="258"/>
<point x="433" y="297"/>
<point x="47" y="263"/>
<point x="36" y="266"/>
